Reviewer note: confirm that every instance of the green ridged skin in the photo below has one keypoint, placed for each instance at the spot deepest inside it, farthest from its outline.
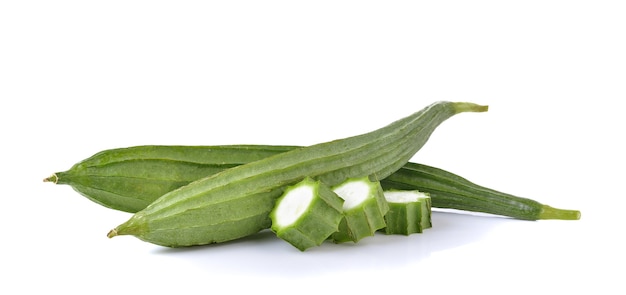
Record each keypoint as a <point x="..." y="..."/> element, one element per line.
<point x="318" y="221"/>
<point x="427" y="205"/>
<point x="236" y="202"/>
<point x="405" y="218"/>
<point x="364" y="219"/>
<point x="451" y="191"/>
<point x="129" y="179"/>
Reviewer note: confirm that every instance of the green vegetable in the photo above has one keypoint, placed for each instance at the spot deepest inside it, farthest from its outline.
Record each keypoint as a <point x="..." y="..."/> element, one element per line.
<point x="448" y="190"/>
<point x="307" y="214"/>
<point x="409" y="212"/>
<point x="236" y="202"/>
<point x="364" y="209"/>
<point x="129" y="179"/>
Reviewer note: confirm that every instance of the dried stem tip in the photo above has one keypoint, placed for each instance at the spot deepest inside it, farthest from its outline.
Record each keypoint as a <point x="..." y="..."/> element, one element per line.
<point x="112" y="233"/>
<point x="52" y="178"/>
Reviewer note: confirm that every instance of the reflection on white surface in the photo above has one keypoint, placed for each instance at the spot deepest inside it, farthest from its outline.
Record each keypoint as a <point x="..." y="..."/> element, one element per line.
<point x="258" y="254"/>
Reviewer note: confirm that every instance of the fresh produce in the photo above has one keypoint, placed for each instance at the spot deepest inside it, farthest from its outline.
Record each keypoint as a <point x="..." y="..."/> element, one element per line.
<point x="195" y="195"/>
<point x="236" y="202"/>
<point x="129" y="179"/>
<point x="364" y="209"/>
<point x="409" y="212"/>
<point x="307" y="214"/>
<point x="451" y="191"/>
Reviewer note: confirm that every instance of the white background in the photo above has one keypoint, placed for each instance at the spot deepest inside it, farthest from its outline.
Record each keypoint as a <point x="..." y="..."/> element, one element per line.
<point x="77" y="77"/>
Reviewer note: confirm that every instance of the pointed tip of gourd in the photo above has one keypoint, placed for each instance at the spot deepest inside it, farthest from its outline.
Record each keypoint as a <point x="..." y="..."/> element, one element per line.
<point x="134" y="226"/>
<point x="52" y="178"/>
<point x="112" y="233"/>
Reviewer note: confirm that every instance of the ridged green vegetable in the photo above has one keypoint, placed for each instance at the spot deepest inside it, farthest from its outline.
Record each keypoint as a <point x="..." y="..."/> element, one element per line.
<point x="129" y="179"/>
<point x="448" y="190"/>
<point x="236" y="202"/>
<point x="409" y="212"/>
<point x="364" y="209"/>
<point x="307" y="214"/>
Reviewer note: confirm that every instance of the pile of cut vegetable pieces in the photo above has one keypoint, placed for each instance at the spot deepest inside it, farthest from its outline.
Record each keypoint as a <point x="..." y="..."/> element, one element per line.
<point x="342" y="190"/>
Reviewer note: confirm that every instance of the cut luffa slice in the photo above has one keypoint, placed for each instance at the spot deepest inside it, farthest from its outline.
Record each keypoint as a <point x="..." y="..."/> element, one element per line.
<point x="409" y="212"/>
<point x="306" y="214"/>
<point x="364" y="209"/>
